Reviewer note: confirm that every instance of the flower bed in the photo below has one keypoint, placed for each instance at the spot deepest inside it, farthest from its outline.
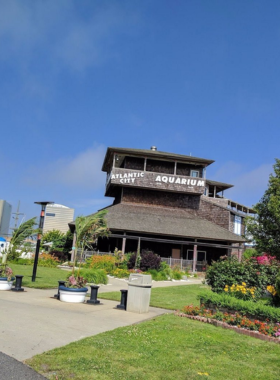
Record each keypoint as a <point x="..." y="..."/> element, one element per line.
<point x="236" y="320"/>
<point x="255" y="310"/>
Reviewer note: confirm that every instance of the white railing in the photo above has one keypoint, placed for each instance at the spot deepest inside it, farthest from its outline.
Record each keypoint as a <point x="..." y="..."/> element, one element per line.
<point x="180" y="263"/>
<point x="185" y="264"/>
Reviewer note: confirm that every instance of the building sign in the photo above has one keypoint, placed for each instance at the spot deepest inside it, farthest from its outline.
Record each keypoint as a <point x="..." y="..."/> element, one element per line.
<point x="176" y="183"/>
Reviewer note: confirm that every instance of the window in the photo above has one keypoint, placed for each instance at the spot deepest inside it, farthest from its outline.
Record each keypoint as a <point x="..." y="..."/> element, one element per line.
<point x="194" y="173"/>
<point x="201" y="255"/>
<point x="237" y="225"/>
<point x="50" y="214"/>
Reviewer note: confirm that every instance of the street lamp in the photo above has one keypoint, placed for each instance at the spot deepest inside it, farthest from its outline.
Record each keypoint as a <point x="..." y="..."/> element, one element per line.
<point x="39" y="235"/>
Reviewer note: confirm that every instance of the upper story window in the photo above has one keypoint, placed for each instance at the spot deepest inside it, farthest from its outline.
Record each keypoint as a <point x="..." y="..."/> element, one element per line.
<point x="50" y="214"/>
<point x="237" y="225"/>
<point x="194" y="173"/>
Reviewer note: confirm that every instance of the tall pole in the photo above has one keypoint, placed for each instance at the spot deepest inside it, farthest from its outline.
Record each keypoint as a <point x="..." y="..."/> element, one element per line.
<point x="39" y="236"/>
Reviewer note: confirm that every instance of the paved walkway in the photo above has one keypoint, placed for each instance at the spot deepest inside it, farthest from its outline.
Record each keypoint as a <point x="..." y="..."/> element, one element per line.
<point x="32" y="322"/>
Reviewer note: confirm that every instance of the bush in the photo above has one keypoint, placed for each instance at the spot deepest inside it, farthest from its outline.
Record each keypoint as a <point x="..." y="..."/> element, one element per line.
<point x="47" y="260"/>
<point x="252" y="271"/>
<point x="250" y="252"/>
<point x="157" y="275"/>
<point x="60" y="255"/>
<point x="177" y="275"/>
<point x="105" y="262"/>
<point x="249" y="308"/>
<point x="94" y="276"/>
<point x="149" y="260"/>
<point x="277" y="284"/>
<point x="120" y="273"/>
<point x="23" y="261"/>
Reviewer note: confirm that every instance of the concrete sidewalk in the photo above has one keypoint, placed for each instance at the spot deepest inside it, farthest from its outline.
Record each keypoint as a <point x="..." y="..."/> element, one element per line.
<point x="33" y="321"/>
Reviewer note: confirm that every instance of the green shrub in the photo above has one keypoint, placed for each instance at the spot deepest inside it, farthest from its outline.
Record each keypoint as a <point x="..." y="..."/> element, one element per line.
<point x="177" y="275"/>
<point x="277" y="284"/>
<point x="106" y="262"/>
<point x="250" y="252"/>
<point x="229" y="272"/>
<point x="157" y="275"/>
<point x="23" y="261"/>
<point x="47" y="260"/>
<point x="94" y="276"/>
<point x="149" y="260"/>
<point x="120" y="273"/>
<point x="249" y="308"/>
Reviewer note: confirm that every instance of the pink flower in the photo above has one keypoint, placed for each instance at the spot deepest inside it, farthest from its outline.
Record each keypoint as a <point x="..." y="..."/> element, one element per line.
<point x="72" y="280"/>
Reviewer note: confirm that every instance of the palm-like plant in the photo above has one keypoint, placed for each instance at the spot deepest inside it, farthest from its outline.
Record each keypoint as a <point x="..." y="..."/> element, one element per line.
<point x="88" y="229"/>
<point x="25" y="230"/>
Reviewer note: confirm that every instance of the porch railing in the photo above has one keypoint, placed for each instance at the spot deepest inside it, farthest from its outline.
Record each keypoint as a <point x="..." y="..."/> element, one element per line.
<point x="181" y="263"/>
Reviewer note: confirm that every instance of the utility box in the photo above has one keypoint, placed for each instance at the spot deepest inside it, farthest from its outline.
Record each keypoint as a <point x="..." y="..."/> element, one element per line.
<point x="139" y="293"/>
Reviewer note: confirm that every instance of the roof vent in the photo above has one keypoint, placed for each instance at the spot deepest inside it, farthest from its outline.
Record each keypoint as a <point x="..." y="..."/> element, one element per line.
<point x="153" y="148"/>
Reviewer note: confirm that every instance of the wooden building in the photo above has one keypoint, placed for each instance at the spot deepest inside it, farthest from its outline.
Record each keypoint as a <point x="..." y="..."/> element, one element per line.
<point x="164" y="202"/>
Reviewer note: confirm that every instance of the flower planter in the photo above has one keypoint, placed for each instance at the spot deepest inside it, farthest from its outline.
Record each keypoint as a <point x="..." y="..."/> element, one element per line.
<point x="74" y="295"/>
<point x="6" y="284"/>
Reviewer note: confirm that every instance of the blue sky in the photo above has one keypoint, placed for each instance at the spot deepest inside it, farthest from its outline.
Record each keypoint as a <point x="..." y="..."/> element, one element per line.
<point x="191" y="77"/>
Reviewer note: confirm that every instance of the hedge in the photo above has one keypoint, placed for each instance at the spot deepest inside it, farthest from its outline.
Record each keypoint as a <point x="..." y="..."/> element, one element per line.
<point x="249" y="308"/>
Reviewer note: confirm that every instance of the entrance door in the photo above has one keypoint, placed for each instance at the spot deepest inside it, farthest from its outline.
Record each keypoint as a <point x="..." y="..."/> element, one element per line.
<point x="176" y="253"/>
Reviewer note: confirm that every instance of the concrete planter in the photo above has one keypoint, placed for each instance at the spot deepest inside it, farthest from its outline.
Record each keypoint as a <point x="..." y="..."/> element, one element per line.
<point x="6" y="284"/>
<point x="72" y="295"/>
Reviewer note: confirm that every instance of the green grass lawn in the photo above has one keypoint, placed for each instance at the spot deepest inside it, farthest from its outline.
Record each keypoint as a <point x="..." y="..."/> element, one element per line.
<point x="173" y="297"/>
<point x="167" y="347"/>
<point x="45" y="277"/>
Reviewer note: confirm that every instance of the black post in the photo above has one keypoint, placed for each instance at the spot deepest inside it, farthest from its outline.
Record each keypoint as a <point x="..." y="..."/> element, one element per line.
<point x="18" y="287"/>
<point x="39" y="235"/>
<point x="58" y="294"/>
<point x="123" y="299"/>
<point x="93" y="296"/>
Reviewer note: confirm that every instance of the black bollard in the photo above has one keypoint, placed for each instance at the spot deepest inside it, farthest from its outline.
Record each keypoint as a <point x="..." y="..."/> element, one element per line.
<point x="123" y="299"/>
<point x="18" y="287"/>
<point x="58" y="294"/>
<point x="93" y="295"/>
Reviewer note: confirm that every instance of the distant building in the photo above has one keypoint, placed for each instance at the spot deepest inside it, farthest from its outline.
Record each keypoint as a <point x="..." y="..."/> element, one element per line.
<point x="57" y="217"/>
<point x="5" y="217"/>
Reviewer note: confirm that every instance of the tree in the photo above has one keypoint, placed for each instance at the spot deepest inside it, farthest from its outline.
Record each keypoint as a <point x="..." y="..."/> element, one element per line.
<point x="21" y="233"/>
<point x="88" y="229"/>
<point x="265" y="227"/>
<point x="60" y="241"/>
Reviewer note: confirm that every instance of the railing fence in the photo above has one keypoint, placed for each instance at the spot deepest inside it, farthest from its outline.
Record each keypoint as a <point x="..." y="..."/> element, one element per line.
<point x="181" y="263"/>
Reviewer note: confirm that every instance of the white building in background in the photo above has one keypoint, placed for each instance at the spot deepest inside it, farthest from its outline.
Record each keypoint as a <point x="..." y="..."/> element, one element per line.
<point x="5" y="217"/>
<point x="57" y="217"/>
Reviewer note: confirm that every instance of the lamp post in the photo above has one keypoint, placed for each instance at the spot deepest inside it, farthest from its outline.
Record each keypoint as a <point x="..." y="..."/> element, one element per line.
<point x="39" y="235"/>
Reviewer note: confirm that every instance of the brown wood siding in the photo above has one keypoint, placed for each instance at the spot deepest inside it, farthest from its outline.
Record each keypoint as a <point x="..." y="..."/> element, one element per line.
<point x="159" y="198"/>
<point x="134" y="163"/>
<point x="156" y="166"/>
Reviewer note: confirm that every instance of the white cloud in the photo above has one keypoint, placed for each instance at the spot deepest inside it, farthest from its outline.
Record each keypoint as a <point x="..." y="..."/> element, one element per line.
<point x="81" y="172"/>
<point x="249" y="186"/>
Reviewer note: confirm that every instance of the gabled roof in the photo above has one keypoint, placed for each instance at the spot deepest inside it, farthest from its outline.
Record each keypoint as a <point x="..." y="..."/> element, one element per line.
<point x="152" y="154"/>
<point x="219" y="185"/>
<point x="165" y="222"/>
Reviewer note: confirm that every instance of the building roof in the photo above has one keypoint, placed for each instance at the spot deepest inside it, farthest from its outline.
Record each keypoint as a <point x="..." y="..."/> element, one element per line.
<point x="153" y="154"/>
<point x="165" y="222"/>
<point x="219" y="185"/>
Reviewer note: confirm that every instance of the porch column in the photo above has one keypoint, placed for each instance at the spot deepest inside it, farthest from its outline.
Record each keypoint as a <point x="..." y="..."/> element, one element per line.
<point x="138" y="253"/>
<point x="194" y="257"/>
<point x="123" y="245"/>
<point x="229" y="251"/>
<point x="239" y="254"/>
